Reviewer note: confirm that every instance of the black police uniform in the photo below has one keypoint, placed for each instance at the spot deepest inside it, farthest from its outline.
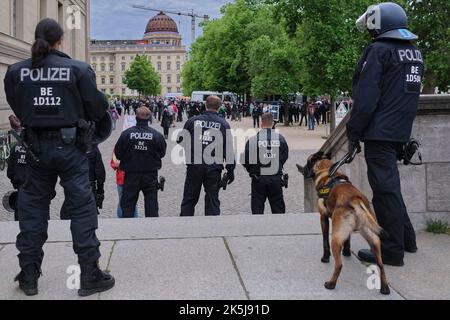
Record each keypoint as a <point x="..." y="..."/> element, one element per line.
<point x="202" y="130"/>
<point x="265" y="156"/>
<point x="17" y="170"/>
<point x="47" y="99"/>
<point x="97" y="177"/>
<point x="140" y="150"/>
<point x="386" y="90"/>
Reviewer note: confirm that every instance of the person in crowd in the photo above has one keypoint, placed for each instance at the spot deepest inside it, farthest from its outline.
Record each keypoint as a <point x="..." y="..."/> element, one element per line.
<point x="257" y="112"/>
<point x="167" y="120"/>
<point x="201" y="171"/>
<point x="311" y="115"/>
<point x="114" y="116"/>
<point x="120" y="181"/>
<point x="265" y="156"/>
<point x="140" y="151"/>
<point x="304" y="114"/>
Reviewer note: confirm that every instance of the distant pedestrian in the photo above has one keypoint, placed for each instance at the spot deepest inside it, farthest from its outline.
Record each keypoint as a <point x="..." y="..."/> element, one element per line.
<point x="120" y="181"/>
<point x="311" y="116"/>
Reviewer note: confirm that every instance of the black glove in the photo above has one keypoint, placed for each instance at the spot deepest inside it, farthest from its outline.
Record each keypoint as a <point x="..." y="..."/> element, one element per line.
<point x="231" y="177"/>
<point x="354" y="145"/>
<point x="100" y="197"/>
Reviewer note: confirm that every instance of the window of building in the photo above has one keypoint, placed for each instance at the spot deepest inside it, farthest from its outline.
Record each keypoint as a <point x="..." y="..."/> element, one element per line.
<point x="102" y="59"/>
<point x="43" y="8"/>
<point x="111" y="67"/>
<point x="14" y="19"/>
<point x="103" y="80"/>
<point x="159" y="66"/>
<point x="169" y="65"/>
<point x="123" y="66"/>
<point x="159" y="57"/>
<point x="102" y="67"/>
<point x="111" y="91"/>
<point x="178" y="57"/>
<point x="178" y="65"/>
<point x="169" y="57"/>
<point x="123" y="79"/>
<point x="94" y="67"/>
<point x="178" y="89"/>
<point x="169" y="90"/>
<point x="123" y="58"/>
<point x="123" y="91"/>
<point x="111" y="80"/>
<point x="94" y="58"/>
<point x="178" y="78"/>
<point x="111" y="58"/>
<point x="103" y="90"/>
<point x="169" y="78"/>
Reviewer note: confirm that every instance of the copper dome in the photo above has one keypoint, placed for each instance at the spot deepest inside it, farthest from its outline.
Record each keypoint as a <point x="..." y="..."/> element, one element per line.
<point x="161" y="23"/>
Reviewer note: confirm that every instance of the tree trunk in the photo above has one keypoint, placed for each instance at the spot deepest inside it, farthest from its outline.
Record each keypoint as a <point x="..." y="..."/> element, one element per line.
<point x="429" y="85"/>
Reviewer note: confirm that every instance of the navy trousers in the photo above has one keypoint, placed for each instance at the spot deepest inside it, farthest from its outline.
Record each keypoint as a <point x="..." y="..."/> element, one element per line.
<point x="71" y="165"/>
<point x="390" y="209"/>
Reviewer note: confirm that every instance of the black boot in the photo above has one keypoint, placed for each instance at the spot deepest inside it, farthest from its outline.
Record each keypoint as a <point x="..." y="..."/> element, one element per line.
<point x="93" y="280"/>
<point x="368" y="256"/>
<point x="28" y="279"/>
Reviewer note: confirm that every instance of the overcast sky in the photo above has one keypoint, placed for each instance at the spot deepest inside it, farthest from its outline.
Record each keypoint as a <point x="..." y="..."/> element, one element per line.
<point x="117" y="20"/>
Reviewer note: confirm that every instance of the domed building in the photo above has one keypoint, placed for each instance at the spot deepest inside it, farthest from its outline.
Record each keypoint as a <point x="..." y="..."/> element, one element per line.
<point x="161" y="29"/>
<point x="162" y="43"/>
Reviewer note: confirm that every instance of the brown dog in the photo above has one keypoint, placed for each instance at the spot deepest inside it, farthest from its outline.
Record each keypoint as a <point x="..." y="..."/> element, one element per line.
<point x="349" y="211"/>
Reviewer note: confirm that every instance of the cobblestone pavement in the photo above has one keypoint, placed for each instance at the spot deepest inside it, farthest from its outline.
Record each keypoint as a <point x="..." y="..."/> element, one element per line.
<point x="235" y="200"/>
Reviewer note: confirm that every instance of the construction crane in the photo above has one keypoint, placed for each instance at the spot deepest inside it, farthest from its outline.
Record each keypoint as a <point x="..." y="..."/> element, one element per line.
<point x="188" y="14"/>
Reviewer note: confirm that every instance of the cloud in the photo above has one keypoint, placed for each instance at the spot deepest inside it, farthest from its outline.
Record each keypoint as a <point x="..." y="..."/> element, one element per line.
<point x="117" y="19"/>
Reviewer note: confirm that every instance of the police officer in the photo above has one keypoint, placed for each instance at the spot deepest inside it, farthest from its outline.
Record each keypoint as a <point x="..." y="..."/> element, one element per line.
<point x="205" y="162"/>
<point x="50" y="93"/>
<point x="140" y="150"/>
<point x="386" y="89"/>
<point x="265" y="156"/>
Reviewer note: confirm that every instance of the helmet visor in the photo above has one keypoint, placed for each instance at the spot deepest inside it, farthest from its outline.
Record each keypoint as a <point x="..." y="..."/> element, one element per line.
<point x="370" y="20"/>
<point x="361" y="23"/>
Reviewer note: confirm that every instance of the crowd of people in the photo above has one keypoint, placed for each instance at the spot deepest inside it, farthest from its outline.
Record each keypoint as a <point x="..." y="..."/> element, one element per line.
<point x="170" y="111"/>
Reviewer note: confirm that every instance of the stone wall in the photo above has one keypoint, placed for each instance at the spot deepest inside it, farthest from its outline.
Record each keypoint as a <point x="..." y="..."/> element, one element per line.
<point x="426" y="188"/>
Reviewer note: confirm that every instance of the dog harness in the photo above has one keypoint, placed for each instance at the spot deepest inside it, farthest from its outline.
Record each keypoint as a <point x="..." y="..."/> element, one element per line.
<point x="325" y="190"/>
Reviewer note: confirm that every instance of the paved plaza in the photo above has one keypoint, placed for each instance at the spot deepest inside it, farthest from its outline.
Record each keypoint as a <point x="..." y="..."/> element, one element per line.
<point x="235" y="200"/>
<point x="225" y="258"/>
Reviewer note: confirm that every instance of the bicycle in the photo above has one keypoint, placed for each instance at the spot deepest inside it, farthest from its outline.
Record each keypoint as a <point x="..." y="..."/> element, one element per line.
<point x="5" y="150"/>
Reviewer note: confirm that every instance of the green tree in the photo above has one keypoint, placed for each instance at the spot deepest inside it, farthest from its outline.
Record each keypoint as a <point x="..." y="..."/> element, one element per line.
<point x="219" y="59"/>
<point x="142" y="77"/>
<point x="429" y="19"/>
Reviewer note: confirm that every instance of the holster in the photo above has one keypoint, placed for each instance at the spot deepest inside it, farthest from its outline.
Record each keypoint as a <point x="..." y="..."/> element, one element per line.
<point x="69" y="135"/>
<point x="31" y="138"/>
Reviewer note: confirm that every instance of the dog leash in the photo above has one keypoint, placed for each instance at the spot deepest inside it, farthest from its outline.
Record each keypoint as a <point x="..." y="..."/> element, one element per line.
<point x="347" y="159"/>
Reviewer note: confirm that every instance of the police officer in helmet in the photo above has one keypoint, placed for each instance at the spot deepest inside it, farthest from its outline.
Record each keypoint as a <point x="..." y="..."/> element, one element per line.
<point x="265" y="156"/>
<point x="54" y="97"/>
<point x="140" y="150"/>
<point x="208" y="144"/>
<point x="386" y="90"/>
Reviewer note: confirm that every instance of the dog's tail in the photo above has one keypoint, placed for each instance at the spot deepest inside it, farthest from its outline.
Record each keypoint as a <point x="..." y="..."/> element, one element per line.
<point x="367" y="217"/>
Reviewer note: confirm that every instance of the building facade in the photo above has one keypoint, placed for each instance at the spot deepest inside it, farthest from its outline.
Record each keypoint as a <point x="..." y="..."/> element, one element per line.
<point x="161" y="44"/>
<point x="18" y="19"/>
